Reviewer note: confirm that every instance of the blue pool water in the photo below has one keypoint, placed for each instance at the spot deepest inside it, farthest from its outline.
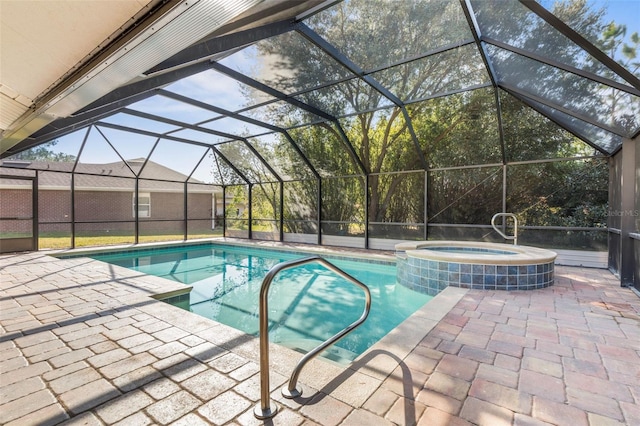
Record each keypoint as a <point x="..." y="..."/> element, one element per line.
<point x="307" y="304"/>
<point x="471" y="250"/>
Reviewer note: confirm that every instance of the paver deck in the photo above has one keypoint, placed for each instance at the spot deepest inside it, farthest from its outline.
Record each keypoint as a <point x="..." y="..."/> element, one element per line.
<point x="83" y="343"/>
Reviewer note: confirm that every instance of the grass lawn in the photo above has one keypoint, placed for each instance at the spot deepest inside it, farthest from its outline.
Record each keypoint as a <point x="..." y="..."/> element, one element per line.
<point x="64" y="241"/>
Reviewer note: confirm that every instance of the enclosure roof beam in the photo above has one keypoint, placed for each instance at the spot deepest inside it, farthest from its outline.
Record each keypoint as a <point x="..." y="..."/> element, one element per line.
<point x="237" y="116"/>
<point x="338" y="56"/>
<point x="157" y="80"/>
<point x="204" y="130"/>
<point x="262" y="160"/>
<point x="432" y="52"/>
<point x="196" y="167"/>
<point x="124" y="161"/>
<point x="296" y="148"/>
<point x="231" y="165"/>
<point x="277" y="94"/>
<point x="270" y="91"/>
<point x="414" y="138"/>
<point x="573" y="70"/>
<point x="525" y="99"/>
<point x="65" y="126"/>
<point x="350" y="148"/>
<point x="147" y="84"/>
<point x="107" y="105"/>
<point x="149" y="133"/>
<point x="218" y="169"/>
<point x="578" y="39"/>
<point x="218" y="110"/>
<point x="225" y="43"/>
<point x="512" y="89"/>
<point x="477" y="34"/>
<point x="182" y="124"/>
<point x="173" y="138"/>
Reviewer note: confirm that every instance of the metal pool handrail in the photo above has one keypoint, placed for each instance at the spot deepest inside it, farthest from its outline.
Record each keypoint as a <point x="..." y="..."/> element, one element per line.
<point x="513" y="237"/>
<point x="264" y="409"/>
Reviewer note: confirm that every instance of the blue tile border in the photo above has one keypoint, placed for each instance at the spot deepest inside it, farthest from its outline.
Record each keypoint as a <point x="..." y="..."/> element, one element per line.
<point x="431" y="277"/>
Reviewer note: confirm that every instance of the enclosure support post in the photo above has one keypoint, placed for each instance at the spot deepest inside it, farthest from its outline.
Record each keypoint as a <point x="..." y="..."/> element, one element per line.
<point x="186" y="210"/>
<point x="281" y="211"/>
<point x="72" y="213"/>
<point x="425" y="208"/>
<point x="250" y="215"/>
<point x="224" y="211"/>
<point x="319" y="204"/>
<point x="136" y="211"/>
<point x="504" y="196"/>
<point x="628" y="210"/>
<point x="366" y="210"/>
<point x="34" y="211"/>
<point x="73" y="188"/>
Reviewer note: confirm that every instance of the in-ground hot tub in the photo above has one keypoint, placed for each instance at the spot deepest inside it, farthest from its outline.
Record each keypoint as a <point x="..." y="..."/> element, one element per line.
<point x="431" y="266"/>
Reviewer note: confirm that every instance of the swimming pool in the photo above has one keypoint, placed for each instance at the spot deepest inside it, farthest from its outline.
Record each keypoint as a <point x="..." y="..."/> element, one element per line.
<point x="307" y="304"/>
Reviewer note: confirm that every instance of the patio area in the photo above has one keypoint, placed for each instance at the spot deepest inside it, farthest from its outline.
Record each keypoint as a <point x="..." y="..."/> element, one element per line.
<point x="82" y="342"/>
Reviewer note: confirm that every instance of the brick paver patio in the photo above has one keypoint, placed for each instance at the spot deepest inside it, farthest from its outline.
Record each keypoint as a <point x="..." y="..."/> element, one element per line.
<point x="82" y="343"/>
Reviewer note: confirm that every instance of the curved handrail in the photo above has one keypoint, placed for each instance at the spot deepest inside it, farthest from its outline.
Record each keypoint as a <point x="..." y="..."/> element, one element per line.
<point x="513" y="237"/>
<point x="263" y="409"/>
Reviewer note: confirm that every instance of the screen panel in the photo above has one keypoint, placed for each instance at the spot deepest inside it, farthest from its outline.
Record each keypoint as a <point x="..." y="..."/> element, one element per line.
<point x="386" y="32"/>
<point x="562" y="193"/>
<point x="464" y="196"/>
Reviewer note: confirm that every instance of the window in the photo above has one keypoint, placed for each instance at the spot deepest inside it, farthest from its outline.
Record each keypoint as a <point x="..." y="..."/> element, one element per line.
<point x="144" y="204"/>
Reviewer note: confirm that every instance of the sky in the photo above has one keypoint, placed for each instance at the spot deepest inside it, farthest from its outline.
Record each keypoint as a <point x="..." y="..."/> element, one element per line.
<point x="623" y="11"/>
<point x="217" y="89"/>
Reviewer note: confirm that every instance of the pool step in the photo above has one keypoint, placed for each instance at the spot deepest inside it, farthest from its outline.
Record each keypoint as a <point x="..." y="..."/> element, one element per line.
<point x="334" y="353"/>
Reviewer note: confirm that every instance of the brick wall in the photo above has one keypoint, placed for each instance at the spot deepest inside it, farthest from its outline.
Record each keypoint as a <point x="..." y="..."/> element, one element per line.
<point x="54" y="206"/>
<point x="166" y="205"/>
<point x="15" y="203"/>
<point x="110" y="207"/>
<point x="103" y="206"/>
<point x="200" y="206"/>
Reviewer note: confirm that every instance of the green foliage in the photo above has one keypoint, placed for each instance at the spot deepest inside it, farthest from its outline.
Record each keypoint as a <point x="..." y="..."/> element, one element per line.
<point x="301" y="206"/>
<point x="465" y="195"/>
<point x="450" y="131"/>
<point x="565" y="193"/>
<point x="531" y="136"/>
<point x="44" y="152"/>
<point x="612" y="42"/>
<point x="238" y="207"/>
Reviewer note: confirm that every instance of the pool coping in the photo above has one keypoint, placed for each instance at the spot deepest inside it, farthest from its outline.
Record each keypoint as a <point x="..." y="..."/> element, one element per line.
<point x="521" y="254"/>
<point x="378" y="256"/>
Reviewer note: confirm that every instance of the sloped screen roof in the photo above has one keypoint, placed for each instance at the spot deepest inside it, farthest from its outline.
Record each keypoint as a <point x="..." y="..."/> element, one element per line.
<point x="365" y="86"/>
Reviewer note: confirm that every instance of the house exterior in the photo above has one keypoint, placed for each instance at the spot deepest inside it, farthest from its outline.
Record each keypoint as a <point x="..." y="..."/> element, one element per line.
<point x="102" y="198"/>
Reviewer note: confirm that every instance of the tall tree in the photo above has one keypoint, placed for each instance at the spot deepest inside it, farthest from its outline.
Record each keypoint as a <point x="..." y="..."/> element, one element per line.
<point x="44" y="152"/>
<point x="458" y="130"/>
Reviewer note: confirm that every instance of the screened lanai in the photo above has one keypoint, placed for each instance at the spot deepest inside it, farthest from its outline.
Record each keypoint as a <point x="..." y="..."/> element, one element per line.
<point x="346" y="123"/>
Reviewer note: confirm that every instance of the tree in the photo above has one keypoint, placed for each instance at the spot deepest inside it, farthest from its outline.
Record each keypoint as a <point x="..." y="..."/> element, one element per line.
<point x="44" y="152"/>
<point x="622" y="110"/>
<point x="453" y="130"/>
<point x="381" y="140"/>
